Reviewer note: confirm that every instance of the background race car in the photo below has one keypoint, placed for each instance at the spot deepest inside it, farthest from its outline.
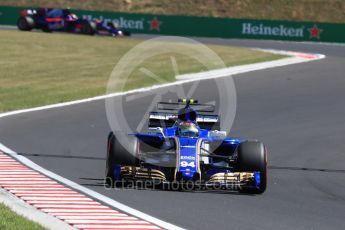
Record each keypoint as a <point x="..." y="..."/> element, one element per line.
<point x="63" y="20"/>
<point x="184" y="149"/>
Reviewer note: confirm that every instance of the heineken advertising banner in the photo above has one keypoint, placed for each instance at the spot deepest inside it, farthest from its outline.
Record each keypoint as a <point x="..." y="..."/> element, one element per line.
<point x="207" y="26"/>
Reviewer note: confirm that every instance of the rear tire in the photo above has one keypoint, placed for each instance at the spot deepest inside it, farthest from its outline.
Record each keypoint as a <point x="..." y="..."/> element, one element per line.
<point x="252" y="157"/>
<point x="88" y="28"/>
<point x="118" y="156"/>
<point x="25" y="23"/>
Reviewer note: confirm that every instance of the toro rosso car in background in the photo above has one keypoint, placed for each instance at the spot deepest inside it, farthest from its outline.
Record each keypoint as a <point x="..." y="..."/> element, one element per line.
<point x="63" y="20"/>
<point x="183" y="147"/>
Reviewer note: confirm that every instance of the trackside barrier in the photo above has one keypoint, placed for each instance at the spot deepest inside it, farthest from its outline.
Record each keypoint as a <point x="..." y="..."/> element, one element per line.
<point x="207" y="26"/>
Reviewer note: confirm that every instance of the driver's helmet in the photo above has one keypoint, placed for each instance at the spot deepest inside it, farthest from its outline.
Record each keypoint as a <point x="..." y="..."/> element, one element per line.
<point x="71" y="18"/>
<point x="187" y="129"/>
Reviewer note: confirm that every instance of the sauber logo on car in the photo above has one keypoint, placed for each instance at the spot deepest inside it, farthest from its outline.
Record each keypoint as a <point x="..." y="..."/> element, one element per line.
<point x="192" y="158"/>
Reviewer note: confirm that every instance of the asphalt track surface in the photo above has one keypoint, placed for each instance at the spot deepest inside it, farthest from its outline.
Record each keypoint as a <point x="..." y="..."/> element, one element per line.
<point x="297" y="110"/>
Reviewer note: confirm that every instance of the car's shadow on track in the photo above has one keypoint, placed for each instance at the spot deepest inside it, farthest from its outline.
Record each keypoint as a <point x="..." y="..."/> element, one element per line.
<point x="306" y="169"/>
<point x="62" y="156"/>
<point x="94" y="182"/>
<point x="272" y="167"/>
<point x="99" y="182"/>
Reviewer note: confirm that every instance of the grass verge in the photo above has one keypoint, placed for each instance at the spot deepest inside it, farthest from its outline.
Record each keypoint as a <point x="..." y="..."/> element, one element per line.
<point x="11" y="221"/>
<point x="41" y="68"/>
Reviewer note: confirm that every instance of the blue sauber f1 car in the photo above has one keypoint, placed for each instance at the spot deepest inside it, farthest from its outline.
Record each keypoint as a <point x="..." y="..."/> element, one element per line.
<point x="183" y="147"/>
<point x="63" y="20"/>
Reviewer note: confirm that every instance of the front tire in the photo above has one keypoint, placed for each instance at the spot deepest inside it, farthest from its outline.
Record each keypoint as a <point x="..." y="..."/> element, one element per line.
<point x="25" y="23"/>
<point x="252" y="157"/>
<point x="118" y="155"/>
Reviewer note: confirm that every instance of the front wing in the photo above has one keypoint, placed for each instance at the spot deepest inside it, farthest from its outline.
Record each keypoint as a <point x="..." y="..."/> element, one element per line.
<point x="220" y="180"/>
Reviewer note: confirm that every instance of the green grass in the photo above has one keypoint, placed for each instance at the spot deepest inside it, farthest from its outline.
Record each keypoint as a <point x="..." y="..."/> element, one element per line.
<point x="44" y="68"/>
<point x="301" y="10"/>
<point x="9" y="220"/>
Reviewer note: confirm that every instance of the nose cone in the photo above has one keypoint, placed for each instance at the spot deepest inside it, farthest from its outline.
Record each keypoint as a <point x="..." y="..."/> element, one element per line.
<point x="187" y="175"/>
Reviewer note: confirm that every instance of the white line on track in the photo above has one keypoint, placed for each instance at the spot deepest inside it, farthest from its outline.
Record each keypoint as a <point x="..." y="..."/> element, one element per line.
<point x="40" y="192"/>
<point x="295" y="58"/>
<point x="109" y="226"/>
<point x="43" y="191"/>
<point x="23" y="176"/>
<point x="95" y="217"/>
<point x="56" y="198"/>
<point x="54" y="195"/>
<point x="77" y="206"/>
<point x="61" y="210"/>
<point x="33" y="179"/>
<point x="18" y="171"/>
<point x="106" y="221"/>
<point x="10" y="182"/>
<point x="62" y="202"/>
<point x="12" y="173"/>
<point x="43" y="188"/>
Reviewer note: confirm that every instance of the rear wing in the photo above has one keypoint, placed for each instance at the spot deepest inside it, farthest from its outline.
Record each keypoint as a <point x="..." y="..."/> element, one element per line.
<point x="175" y="106"/>
<point x="166" y="119"/>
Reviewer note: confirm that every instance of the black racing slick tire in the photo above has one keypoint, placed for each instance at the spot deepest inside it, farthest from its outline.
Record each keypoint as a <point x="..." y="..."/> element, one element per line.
<point x="25" y="23"/>
<point x="252" y="157"/>
<point x="118" y="155"/>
